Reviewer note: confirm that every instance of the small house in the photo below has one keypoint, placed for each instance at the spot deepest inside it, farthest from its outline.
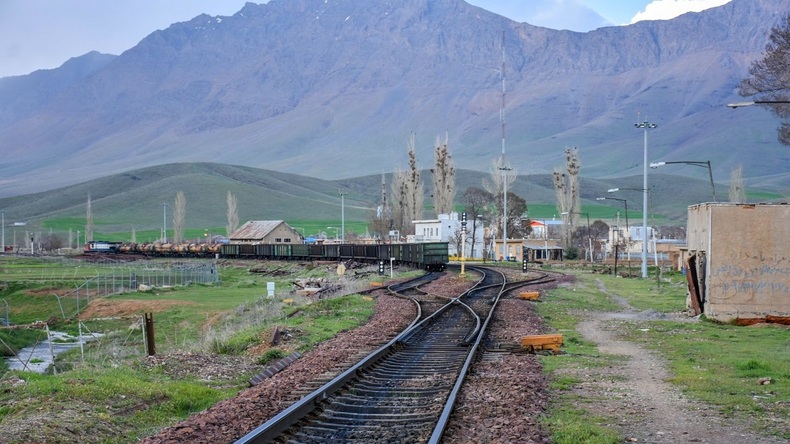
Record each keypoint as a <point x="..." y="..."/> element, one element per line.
<point x="738" y="263"/>
<point x="265" y="232"/>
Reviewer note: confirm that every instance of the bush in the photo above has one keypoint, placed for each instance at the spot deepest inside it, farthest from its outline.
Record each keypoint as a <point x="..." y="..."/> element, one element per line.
<point x="571" y="253"/>
<point x="271" y="355"/>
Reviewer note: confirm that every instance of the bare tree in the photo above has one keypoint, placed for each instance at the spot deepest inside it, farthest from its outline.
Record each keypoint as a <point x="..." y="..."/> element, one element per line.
<point x="500" y="173"/>
<point x="478" y="204"/>
<point x="566" y="188"/>
<point x="233" y="214"/>
<point x="399" y="199"/>
<point x="443" y="178"/>
<point x="416" y="192"/>
<point x="381" y="220"/>
<point x="768" y="77"/>
<point x="516" y="209"/>
<point x="737" y="193"/>
<point x="88" y="221"/>
<point x="179" y="215"/>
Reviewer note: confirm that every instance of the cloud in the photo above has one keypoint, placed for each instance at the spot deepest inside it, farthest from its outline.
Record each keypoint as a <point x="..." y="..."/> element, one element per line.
<point x="669" y="9"/>
<point x="567" y="14"/>
<point x="554" y="14"/>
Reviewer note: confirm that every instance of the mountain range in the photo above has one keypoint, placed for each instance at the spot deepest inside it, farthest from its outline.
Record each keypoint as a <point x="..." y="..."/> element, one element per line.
<point x="333" y="89"/>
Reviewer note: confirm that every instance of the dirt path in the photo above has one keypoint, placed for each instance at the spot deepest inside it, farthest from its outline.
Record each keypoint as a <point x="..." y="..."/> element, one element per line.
<point x="638" y="400"/>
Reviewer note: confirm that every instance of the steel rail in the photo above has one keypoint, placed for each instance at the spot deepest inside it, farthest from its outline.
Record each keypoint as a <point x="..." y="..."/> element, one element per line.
<point x="280" y="423"/>
<point x="444" y="418"/>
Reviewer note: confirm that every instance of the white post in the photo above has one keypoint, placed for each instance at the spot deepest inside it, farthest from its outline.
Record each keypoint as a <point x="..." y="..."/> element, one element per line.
<point x="164" y="223"/>
<point x="645" y="126"/>
<point x="342" y="217"/>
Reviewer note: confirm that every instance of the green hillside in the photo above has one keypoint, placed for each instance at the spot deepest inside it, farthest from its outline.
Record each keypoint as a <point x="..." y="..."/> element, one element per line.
<point x="134" y="200"/>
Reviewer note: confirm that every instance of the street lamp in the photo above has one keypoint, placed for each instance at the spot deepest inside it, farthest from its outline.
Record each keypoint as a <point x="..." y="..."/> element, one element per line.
<point x="333" y="228"/>
<point x="703" y="164"/>
<point x="3" y="249"/>
<point x="627" y="230"/>
<point x="342" y="216"/>
<point x="589" y="234"/>
<point x="755" y="102"/>
<point x="299" y="228"/>
<point x="645" y="126"/>
<point x="504" y="170"/>
<point x="625" y="203"/>
<point x="644" y="224"/>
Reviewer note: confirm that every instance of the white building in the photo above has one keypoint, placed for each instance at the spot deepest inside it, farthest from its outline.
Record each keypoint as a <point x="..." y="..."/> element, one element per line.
<point x="447" y="228"/>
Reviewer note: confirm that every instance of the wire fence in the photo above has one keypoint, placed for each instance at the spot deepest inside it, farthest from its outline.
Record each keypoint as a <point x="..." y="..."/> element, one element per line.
<point x="113" y="278"/>
<point x="136" y="276"/>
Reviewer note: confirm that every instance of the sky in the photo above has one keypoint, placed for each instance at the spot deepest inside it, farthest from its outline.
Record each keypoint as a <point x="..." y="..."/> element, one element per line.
<point x="43" y="34"/>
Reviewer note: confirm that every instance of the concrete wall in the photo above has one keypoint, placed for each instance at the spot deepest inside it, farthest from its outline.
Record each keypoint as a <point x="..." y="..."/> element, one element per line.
<point x="743" y="254"/>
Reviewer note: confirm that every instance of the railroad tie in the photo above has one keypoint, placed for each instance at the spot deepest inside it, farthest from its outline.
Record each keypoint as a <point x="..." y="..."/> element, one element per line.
<point x="274" y="368"/>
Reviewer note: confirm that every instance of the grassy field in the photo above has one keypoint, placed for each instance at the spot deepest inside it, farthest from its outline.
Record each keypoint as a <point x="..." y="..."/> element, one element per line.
<point x="714" y="363"/>
<point x="109" y="387"/>
<point x="109" y="391"/>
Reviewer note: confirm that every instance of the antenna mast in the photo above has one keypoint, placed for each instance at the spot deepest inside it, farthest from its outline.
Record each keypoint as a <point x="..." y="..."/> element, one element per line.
<point x="502" y="110"/>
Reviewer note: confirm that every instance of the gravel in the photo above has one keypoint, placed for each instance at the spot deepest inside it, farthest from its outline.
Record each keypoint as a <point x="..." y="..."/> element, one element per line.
<point x="502" y="401"/>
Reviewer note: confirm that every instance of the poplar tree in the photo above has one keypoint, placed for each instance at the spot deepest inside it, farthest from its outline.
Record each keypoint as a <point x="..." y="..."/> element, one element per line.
<point x="566" y="189"/>
<point x="233" y="214"/>
<point x="88" y="221"/>
<point x="443" y="177"/>
<point x="179" y="214"/>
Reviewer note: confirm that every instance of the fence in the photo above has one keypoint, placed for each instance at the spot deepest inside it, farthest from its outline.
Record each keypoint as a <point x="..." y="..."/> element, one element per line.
<point x="136" y="276"/>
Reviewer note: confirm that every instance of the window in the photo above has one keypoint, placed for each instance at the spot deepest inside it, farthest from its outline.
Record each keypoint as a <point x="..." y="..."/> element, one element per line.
<point x="277" y="240"/>
<point x="287" y="240"/>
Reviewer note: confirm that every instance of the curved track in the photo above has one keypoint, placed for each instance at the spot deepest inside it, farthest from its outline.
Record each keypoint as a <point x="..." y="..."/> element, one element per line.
<point x="403" y="392"/>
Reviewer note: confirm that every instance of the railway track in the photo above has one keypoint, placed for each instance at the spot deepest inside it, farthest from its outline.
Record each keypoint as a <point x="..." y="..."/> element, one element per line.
<point x="405" y="390"/>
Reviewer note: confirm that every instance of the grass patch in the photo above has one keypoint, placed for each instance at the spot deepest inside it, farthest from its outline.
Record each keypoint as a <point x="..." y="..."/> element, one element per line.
<point x="725" y="366"/>
<point x="114" y="391"/>
<point x="573" y="426"/>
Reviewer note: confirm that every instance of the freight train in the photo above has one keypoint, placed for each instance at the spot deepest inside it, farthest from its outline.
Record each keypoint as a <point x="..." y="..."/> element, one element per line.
<point x="431" y="256"/>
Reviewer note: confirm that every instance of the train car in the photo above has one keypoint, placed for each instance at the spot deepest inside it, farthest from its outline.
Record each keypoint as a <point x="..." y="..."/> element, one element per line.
<point x="332" y="252"/>
<point x="429" y="256"/>
<point x="434" y="256"/>
<point x="229" y="251"/>
<point x="264" y="251"/>
<point x="371" y="253"/>
<point x="282" y="251"/>
<point x="103" y="247"/>
<point x="346" y="252"/>
<point x="300" y="251"/>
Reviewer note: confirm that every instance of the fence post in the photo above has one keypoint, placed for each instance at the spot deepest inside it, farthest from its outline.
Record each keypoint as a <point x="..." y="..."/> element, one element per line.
<point x="149" y="334"/>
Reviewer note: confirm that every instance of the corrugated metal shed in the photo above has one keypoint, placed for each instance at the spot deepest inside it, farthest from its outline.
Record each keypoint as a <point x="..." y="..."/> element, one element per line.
<point x="255" y="230"/>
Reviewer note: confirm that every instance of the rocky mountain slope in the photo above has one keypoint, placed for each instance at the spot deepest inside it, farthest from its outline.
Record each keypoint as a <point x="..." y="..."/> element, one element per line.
<point x="332" y="89"/>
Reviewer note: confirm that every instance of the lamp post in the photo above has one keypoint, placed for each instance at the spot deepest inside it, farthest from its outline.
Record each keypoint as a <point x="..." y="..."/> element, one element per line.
<point x="703" y="164"/>
<point x="333" y="228"/>
<point x="644" y="226"/>
<point x="504" y="168"/>
<point x="625" y="203"/>
<point x="3" y="249"/>
<point x="627" y="230"/>
<point x="755" y="102"/>
<point x="589" y="234"/>
<point x="645" y="126"/>
<point x="342" y="215"/>
<point x="303" y="232"/>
